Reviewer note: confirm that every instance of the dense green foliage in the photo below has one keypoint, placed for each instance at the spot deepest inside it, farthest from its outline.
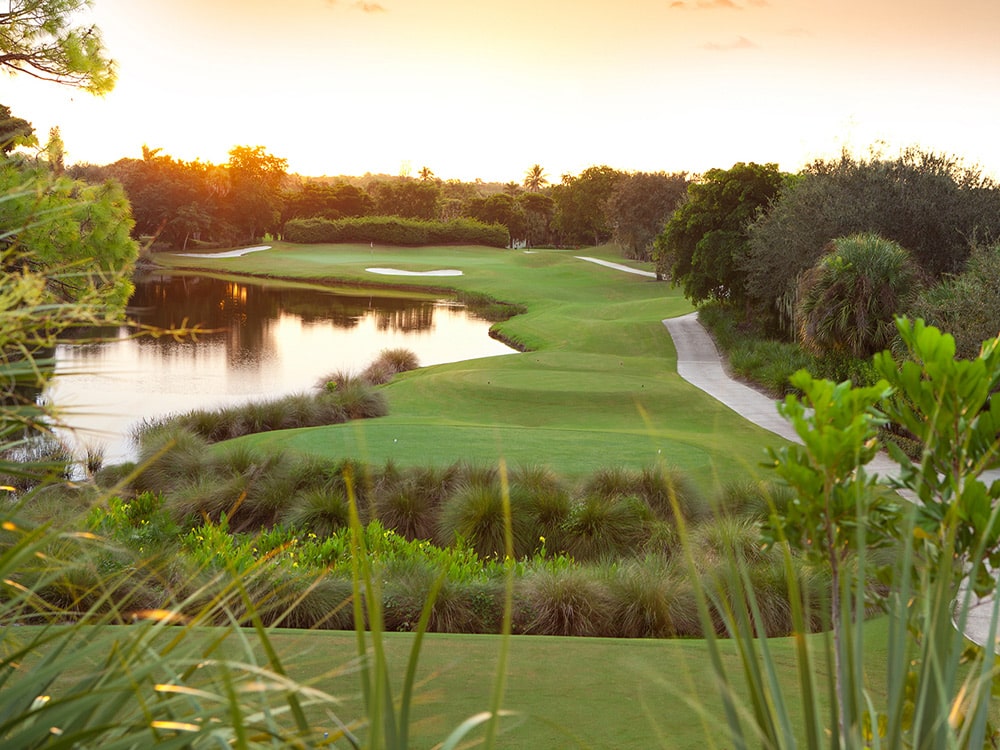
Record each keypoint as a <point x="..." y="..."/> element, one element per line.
<point x="930" y="204"/>
<point x="945" y="541"/>
<point x="320" y="200"/>
<point x="581" y="206"/>
<point x="848" y="300"/>
<point x="701" y="246"/>
<point x="14" y="131"/>
<point x="253" y="204"/>
<point x="967" y="304"/>
<point x="639" y="206"/>
<point x="290" y="539"/>
<point x="77" y="235"/>
<point x="387" y="230"/>
<point x="39" y="38"/>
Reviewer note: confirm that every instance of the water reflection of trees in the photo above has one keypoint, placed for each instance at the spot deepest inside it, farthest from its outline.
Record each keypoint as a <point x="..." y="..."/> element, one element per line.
<point x="242" y="316"/>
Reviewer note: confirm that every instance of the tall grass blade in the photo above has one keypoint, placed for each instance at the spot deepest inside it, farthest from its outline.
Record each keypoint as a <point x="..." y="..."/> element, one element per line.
<point x="500" y="681"/>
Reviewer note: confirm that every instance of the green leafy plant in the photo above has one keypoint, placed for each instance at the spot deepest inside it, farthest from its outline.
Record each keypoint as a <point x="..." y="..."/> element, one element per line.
<point x="937" y="691"/>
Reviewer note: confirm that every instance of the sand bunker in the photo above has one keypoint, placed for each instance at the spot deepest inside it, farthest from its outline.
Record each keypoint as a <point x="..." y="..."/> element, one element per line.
<point x="227" y="253"/>
<point x="398" y="272"/>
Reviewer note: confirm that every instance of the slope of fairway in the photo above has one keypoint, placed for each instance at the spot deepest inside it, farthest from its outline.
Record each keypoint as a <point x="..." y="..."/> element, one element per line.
<point x="598" y="386"/>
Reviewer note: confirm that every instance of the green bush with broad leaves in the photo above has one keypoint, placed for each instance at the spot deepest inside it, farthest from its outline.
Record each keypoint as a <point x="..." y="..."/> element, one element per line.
<point x="945" y="538"/>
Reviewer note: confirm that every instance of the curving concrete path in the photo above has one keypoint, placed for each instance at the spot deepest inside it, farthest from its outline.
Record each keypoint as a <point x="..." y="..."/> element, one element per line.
<point x="699" y="363"/>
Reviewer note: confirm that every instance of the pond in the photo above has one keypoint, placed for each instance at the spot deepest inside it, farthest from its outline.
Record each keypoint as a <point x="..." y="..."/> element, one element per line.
<point x="263" y="342"/>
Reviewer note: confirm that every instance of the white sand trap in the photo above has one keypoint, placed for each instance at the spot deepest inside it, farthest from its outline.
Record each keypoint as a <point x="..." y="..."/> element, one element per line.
<point x="227" y="253"/>
<point x="398" y="272"/>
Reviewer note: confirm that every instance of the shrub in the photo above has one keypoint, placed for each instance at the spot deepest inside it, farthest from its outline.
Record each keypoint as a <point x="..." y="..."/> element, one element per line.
<point x="599" y="528"/>
<point x="754" y="499"/>
<point x="406" y="510"/>
<point x="166" y="453"/>
<point x="650" y="599"/>
<point x="848" y="300"/>
<point x="726" y="539"/>
<point x="399" y="359"/>
<point x="355" y="398"/>
<point x="461" y="606"/>
<point x="303" y="599"/>
<point x="931" y="204"/>
<point x="320" y="511"/>
<point x="475" y="514"/>
<point x="377" y="373"/>
<point x="660" y="488"/>
<point x="141" y="523"/>
<point x="573" y="601"/>
<point x="393" y="230"/>
<point x="409" y="501"/>
<point x="657" y="487"/>
<point x="547" y="501"/>
<point x="966" y="305"/>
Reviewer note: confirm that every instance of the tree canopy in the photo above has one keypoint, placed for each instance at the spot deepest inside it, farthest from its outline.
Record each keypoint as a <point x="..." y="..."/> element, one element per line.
<point x="930" y="204"/>
<point x="639" y="206"/>
<point x="75" y="234"/>
<point x="39" y="38"/>
<point x="254" y="199"/>
<point x="702" y="244"/>
<point x="580" y="206"/>
<point x="535" y="179"/>
<point x="14" y="131"/>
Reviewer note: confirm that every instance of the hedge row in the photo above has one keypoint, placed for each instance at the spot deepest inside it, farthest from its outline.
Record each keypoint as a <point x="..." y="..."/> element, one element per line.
<point x="392" y="230"/>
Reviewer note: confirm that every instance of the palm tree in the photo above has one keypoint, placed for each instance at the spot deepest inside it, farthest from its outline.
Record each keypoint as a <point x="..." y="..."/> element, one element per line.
<point x="425" y="174"/>
<point x="512" y="189"/>
<point x="535" y="178"/>
<point x="848" y="300"/>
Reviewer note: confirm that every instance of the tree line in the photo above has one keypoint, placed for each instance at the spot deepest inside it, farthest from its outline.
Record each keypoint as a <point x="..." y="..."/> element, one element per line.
<point x="829" y="255"/>
<point x="177" y="202"/>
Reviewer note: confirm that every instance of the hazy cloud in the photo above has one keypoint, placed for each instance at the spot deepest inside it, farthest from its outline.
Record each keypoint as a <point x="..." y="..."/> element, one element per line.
<point x="740" y="43"/>
<point x="716" y="4"/>
<point x="362" y="5"/>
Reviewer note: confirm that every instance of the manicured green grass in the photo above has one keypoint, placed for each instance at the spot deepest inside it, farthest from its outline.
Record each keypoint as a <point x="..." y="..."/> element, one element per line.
<point x="598" y="386"/>
<point x="567" y="692"/>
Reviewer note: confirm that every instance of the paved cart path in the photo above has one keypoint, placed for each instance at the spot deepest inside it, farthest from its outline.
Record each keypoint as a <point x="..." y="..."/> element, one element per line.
<point x="699" y="363"/>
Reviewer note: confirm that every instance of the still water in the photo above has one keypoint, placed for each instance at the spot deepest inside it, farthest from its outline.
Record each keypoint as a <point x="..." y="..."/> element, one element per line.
<point x="264" y="342"/>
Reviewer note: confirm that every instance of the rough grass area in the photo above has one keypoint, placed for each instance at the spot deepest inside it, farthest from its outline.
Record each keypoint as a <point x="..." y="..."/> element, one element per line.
<point x="597" y="384"/>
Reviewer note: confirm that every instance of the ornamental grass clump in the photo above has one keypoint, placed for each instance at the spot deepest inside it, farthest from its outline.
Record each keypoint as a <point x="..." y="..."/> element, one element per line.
<point x="652" y="598"/>
<point x="409" y="500"/>
<point x="388" y="364"/>
<point x="322" y="512"/>
<point x="599" y="528"/>
<point x="475" y="514"/>
<point x="569" y="602"/>
<point x="547" y="500"/>
<point x="666" y="490"/>
<point x="754" y="498"/>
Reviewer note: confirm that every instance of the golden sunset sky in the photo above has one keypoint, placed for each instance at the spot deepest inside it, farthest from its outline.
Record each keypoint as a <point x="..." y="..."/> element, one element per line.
<point x="486" y="88"/>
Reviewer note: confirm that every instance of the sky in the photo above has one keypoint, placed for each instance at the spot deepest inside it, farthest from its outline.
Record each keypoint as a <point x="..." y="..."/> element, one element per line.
<point x="485" y="89"/>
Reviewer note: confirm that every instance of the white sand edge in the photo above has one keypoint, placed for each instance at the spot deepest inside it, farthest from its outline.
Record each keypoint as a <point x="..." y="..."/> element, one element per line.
<point x="227" y="253"/>
<point x="398" y="272"/>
